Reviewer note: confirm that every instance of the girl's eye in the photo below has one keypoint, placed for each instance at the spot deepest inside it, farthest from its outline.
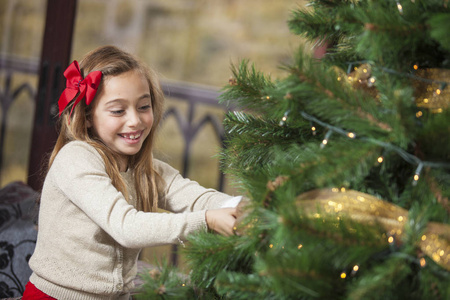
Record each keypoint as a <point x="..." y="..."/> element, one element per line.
<point x="117" y="112"/>
<point x="145" y="107"/>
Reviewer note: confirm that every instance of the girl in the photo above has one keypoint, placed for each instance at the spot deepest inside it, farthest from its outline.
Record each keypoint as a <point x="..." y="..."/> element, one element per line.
<point x="103" y="186"/>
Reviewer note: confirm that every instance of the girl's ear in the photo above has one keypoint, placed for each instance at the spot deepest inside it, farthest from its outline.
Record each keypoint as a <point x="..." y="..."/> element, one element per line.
<point x="88" y="123"/>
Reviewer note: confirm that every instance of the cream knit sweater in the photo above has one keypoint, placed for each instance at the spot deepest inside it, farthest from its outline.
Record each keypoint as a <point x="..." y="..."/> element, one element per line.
<point x="89" y="236"/>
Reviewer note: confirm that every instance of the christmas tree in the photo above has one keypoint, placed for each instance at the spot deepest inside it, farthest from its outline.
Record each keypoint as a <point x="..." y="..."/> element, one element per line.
<point x="345" y="164"/>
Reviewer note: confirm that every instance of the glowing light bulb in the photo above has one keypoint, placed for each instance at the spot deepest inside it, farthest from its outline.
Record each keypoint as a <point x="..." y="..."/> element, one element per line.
<point x="416" y="177"/>
<point x="351" y="135"/>
<point x="343" y="275"/>
<point x="356" y="268"/>
<point x="419" y="114"/>
<point x="438" y="92"/>
<point x="325" y="140"/>
<point x="416" y="67"/>
<point x="390" y="239"/>
<point x="400" y="8"/>
<point x="271" y="246"/>
<point x="380" y="159"/>
<point x="423" y="262"/>
<point x="284" y="118"/>
<point x="300" y="246"/>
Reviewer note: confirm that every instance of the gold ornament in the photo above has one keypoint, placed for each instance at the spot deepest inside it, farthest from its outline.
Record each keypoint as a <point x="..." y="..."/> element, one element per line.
<point x="367" y="209"/>
<point x="360" y="78"/>
<point x="434" y="92"/>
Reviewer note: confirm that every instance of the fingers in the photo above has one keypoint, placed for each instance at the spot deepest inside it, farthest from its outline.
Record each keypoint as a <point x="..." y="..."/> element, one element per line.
<point x="222" y="220"/>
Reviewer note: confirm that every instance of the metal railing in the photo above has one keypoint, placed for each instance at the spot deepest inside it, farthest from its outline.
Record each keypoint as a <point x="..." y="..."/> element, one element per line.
<point x="9" y="67"/>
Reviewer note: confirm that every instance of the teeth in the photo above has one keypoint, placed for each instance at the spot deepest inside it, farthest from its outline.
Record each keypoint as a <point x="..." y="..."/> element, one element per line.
<point x="132" y="136"/>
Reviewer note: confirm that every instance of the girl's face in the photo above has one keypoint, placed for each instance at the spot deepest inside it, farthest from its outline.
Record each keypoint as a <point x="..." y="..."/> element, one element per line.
<point x="122" y="115"/>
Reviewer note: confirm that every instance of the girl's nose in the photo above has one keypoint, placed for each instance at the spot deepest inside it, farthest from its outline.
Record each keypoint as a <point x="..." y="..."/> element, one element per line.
<point x="134" y="118"/>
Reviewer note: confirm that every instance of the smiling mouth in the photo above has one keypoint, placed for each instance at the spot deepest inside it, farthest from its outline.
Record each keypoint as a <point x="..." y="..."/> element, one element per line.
<point x="134" y="136"/>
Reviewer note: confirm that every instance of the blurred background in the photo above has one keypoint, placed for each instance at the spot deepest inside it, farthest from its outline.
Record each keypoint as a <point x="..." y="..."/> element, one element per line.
<point x="190" y="43"/>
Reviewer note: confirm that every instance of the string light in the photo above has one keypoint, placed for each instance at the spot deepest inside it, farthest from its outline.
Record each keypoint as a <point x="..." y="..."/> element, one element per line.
<point x="419" y="114"/>
<point x="380" y="159"/>
<point x="390" y="239"/>
<point x="325" y="140"/>
<point x="438" y="92"/>
<point x="410" y="158"/>
<point x="351" y="135"/>
<point x="400" y="8"/>
<point x="423" y="262"/>
<point x="355" y="268"/>
<point x="416" y="67"/>
<point x="300" y="246"/>
<point x="343" y="275"/>
<point x="284" y="118"/>
<point x="349" y="69"/>
<point x="417" y="173"/>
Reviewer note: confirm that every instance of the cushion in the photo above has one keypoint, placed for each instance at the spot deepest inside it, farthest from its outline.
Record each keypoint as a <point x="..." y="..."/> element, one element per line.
<point x="18" y="211"/>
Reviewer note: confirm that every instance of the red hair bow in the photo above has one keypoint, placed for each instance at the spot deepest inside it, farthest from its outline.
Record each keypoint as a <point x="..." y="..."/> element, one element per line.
<point x="76" y="84"/>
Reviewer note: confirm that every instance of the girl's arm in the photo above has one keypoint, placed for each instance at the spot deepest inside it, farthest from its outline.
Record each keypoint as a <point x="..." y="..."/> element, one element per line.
<point x="182" y="194"/>
<point x="79" y="190"/>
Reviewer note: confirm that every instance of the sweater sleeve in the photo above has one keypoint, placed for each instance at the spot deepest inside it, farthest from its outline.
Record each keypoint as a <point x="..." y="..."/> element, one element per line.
<point x="185" y="195"/>
<point x="79" y="172"/>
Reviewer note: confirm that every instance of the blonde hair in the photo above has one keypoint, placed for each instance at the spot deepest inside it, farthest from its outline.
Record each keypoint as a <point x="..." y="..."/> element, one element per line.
<point x="112" y="61"/>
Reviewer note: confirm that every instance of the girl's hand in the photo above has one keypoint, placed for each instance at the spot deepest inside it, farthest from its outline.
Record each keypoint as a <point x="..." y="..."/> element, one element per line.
<point x="222" y="220"/>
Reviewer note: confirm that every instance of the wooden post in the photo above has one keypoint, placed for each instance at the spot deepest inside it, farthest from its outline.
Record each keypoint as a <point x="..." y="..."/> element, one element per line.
<point x="55" y="57"/>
